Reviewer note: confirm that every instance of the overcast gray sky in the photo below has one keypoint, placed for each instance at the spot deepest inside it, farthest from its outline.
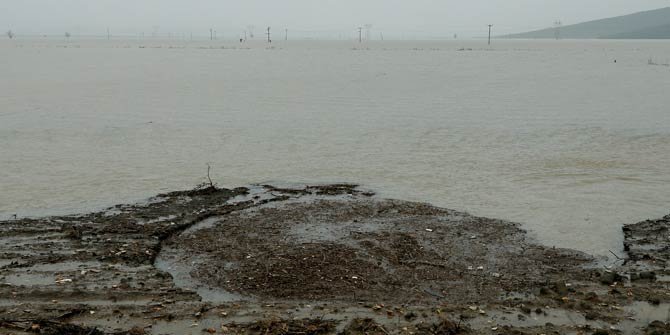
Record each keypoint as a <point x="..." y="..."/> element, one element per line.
<point x="415" y="18"/>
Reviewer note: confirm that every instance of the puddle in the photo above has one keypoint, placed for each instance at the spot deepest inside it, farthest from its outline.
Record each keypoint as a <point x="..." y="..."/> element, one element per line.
<point x="267" y="193"/>
<point x="204" y="224"/>
<point x="558" y="317"/>
<point x="65" y="266"/>
<point x="645" y="312"/>
<point x="19" y="241"/>
<point x="640" y="314"/>
<point x="29" y="279"/>
<point x="173" y="262"/>
<point x="158" y="219"/>
<point x="112" y="212"/>
<point x="256" y="194"/>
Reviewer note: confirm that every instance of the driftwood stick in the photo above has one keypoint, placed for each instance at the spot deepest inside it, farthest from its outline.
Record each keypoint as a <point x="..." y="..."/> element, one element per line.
<point x="615" y="255"/>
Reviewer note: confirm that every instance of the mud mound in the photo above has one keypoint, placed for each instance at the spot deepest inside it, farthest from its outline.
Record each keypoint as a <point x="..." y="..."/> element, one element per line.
<point x="309" y="260"/>
<point x="361" y="249"/>
<point x="307" y="271"/>
<point x="649" y="241"/>
<point x="283" y="327"/>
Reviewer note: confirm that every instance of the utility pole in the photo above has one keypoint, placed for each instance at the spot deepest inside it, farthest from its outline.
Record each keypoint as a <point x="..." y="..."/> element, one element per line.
<point x="268" y="33"/>
<point x="211" y="34"/>
<point x="360" y="34"/>
<point x="286" y="34"/>
<point x="490" y="26"/>
<point x="557" y="31"/>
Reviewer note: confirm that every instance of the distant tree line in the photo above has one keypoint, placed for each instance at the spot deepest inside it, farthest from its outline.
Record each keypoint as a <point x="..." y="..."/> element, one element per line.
<point x="11" y="34"/>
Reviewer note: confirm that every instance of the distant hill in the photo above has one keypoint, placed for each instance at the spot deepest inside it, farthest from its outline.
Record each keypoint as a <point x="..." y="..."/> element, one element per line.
<point x="658" y="32"/>
<point x="653" y="24"/>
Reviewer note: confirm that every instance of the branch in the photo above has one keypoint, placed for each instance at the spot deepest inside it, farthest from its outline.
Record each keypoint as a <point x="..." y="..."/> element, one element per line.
<point x="211" y="184"/>
<point x="615" y="255"/>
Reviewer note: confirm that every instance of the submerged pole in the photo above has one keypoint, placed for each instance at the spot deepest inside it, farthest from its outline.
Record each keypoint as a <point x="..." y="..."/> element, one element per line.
<point x="490" y="25"/>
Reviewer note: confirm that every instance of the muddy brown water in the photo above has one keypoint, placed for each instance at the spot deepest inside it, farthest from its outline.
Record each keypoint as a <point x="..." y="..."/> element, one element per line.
<point x="551" y="134"/>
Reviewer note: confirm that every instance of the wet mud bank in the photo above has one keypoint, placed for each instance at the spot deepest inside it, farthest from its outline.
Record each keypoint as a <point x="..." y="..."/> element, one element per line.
<point x="325" y="259"/>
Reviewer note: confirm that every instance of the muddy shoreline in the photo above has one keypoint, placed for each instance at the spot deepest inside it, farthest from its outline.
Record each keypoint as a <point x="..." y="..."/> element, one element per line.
<point x="318" y="260"/>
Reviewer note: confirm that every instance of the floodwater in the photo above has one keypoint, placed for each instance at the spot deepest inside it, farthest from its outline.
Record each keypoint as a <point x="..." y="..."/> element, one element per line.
<point x="553" y="134"/>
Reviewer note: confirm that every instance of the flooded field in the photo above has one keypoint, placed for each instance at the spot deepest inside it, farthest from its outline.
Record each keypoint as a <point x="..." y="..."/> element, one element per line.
<point x="555" y="135"/>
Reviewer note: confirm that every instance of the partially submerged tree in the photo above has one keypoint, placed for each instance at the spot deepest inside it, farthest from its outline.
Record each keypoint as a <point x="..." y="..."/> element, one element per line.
<point x="10" y="34"/>
<point x="208" y="187"/>
<point x="209" y="179"/>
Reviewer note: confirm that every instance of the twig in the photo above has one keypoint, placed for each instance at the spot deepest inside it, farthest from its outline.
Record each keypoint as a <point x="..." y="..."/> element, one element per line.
<point x="211" y="184"/>
<point x="615" y="255"/>
<point x="380" y="327"/>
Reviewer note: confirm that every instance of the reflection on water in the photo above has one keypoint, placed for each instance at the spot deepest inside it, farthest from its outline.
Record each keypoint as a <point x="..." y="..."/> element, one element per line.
<point x="551" y="134"/>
